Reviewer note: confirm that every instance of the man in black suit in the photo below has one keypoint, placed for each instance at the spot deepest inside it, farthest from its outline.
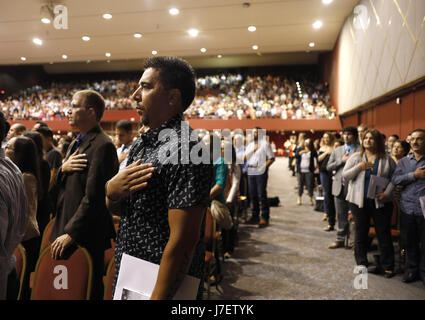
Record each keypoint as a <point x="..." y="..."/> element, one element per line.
<point x="81" y="214"/>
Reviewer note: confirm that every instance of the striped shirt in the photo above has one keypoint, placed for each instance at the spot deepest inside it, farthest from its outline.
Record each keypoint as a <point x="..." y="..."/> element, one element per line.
<point x="13" y="216"/>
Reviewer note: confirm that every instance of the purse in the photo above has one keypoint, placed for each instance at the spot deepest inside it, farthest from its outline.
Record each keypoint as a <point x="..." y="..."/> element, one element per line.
<point x="221" y="214"/>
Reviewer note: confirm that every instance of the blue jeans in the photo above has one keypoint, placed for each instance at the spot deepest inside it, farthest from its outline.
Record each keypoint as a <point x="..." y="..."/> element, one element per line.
<point x="257" y="185"/>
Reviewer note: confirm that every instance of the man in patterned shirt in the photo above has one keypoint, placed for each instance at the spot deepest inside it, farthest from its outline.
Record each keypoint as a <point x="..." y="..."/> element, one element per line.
<point x="162" y="202"/>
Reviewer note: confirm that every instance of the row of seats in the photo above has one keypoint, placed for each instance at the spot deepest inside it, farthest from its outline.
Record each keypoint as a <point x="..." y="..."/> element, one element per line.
<point x="49" y="281"/>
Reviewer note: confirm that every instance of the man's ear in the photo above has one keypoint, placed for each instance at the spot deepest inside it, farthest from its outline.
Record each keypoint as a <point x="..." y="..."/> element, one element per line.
<point x="175" y="98"/>
<point x="92" y="112"/>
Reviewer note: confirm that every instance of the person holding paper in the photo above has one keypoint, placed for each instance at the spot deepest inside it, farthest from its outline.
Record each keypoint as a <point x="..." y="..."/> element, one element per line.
<point x="360" y="169"/>
<point x="410" y="173"/>
<point x="162" y="212"/>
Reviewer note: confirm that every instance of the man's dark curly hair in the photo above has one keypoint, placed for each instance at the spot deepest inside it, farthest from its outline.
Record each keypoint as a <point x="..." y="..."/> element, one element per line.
<point x="175" y="73"/>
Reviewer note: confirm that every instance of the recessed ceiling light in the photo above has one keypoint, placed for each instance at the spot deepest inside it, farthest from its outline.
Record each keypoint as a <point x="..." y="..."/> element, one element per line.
<point x="64" y="56"/>
<point x="311" y="44"/>
<point x="326" y="2"/>
<point x="174" y="11"/>
<point x="107" y="16"/>
<point x="45" y="20"/>
<point x="252" y="28"/>
<point x="203" y="50"/>
<point x="137" y="35"/>
<point x="193" y="32"/>
<point x="37" y="41"/>
<point x="86" y="38"/>
<point x="23" y="59"/>
<point x="255" y="47"/>
<point x="317" y="24"/>
<point x="154" y="52"/>
<point x="107" y="54"/>
<point x="219" y="56"/>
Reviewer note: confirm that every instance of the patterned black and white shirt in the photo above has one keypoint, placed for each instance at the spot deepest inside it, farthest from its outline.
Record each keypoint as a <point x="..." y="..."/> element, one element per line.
<point x="144" y="230"/>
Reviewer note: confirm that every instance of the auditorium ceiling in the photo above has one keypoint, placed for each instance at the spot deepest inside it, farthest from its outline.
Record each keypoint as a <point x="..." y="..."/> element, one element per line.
<point x="284" y="31"/>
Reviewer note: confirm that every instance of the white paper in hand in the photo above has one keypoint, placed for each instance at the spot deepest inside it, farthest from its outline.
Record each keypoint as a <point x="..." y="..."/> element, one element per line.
<point x="137" y="278"/>
<point x="376" y="185"/>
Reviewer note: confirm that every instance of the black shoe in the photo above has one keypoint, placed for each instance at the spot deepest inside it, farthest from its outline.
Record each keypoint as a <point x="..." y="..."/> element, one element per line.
<point x="389" y="274"/>
<point x="409" y="277"/>
<point x="374" y="270"/>
<point x="253" y="220"/>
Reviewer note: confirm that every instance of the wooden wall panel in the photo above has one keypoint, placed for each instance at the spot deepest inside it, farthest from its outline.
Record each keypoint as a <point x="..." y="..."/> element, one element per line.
<point x="351" y="120"/>
<point x="407" y="115"/>
<point x="390" y="117"/>
<point x="419" y="112"/>
<point x="387" y="118"/>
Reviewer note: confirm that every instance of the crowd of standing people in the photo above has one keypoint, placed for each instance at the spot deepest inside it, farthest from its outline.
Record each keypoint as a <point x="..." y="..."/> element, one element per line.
<point x="85" y="182"/>
<point x="88" y="181"/>
<point x="371" y="181"/>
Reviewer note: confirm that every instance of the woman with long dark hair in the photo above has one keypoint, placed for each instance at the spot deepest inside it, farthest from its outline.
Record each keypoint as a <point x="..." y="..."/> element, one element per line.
<point x="361" y="167"/>
<point x="23" y="152"/>
<point x="43" y="209"/>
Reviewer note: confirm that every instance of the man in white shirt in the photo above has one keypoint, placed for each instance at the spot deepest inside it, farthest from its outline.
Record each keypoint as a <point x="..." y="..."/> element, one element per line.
<point x="13" y="214"/>
<point x="259" y="156"/>
<point x="124" y="133"/>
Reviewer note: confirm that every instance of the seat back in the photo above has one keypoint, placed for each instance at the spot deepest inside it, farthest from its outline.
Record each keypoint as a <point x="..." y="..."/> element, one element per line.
<point x="109" y="279"/>
<point x="108" y="256"/>
<point x="45" y="240"/>
<point x="20" y="266"/>
<point x="109" y="253"/>
<point x="69" y="279"/>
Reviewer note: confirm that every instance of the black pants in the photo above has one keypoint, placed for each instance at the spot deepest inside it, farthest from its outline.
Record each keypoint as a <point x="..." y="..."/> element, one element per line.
<point x="12" y="285"/>
<point x="382" y="220"/>
<point x="32" y="248"/>
<point x="230" y="236"/>
<point x="329" y="204"/>
<point x="98" y="257"/>
<point x="413" y="232"/>
<point x="290" y="166"/>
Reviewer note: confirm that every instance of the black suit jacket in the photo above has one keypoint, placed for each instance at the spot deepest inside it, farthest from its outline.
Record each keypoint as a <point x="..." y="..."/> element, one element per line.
<point x="80" y="207"/>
